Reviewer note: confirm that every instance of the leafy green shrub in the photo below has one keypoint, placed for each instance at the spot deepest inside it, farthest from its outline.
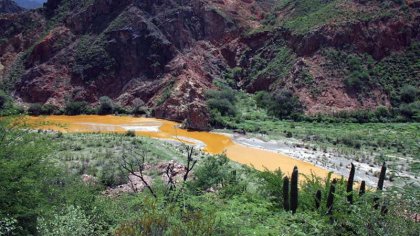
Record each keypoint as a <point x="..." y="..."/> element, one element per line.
<point x="410" y="111"/>
<point x="35" y="109"/>
<point x="49" y="109"/>
<point x="75" y="108"/>
<point x="216" y="173"/>
<point x="223" y="101"/>
<point x="26" y="176"/>
<point x="271" y="185"/>
<point x="106" y="106"/>
<point x="71" y="221"/>
<point x="409" y="94"/>
<point x="281" y="104"/>
<point x="139" y="107"/>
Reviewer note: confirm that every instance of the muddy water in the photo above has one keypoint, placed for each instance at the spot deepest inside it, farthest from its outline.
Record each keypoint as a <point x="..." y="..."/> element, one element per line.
<point x="155" y="128"/>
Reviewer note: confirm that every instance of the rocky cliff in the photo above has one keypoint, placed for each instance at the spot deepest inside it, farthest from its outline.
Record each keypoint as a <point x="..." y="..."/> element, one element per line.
<point x="168" y="53"/>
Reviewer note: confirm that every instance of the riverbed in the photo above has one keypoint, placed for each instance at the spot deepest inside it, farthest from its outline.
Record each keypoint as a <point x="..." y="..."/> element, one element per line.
<point x="213" y="143"/>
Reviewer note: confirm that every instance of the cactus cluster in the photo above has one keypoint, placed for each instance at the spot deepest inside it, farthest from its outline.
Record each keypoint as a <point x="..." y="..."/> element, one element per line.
<point x="291" y="191"/>
<point x="291" y="203"/>
<point x="350" y="182"/>
<point x="294" y="191"/>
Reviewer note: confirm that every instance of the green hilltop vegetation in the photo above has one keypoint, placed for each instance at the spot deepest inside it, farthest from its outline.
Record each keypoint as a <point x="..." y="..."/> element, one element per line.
<point x="43" y="193"/>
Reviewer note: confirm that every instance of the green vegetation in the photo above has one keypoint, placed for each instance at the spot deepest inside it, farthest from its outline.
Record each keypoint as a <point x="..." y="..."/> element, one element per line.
<point x="282" y="104"/>
<point x="106" y="106"/>
<point x="357" y="134"/>
<point x="92" y="60"/>
<point x="395" y="74"/>
<point x="166" y="93"/>
<point x="311" y="14"/>
<point x="76" y="108"/>
<point x="43" y="194"/>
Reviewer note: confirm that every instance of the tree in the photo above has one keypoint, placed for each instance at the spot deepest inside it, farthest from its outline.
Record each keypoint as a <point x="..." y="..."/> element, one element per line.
<point x="282" y="104"/>
<point x="75" y="108"/>
<point x="138" y="107"/>
<point x="222" y="101"/>
<point x="35" y="109"/>
<point x="409" y="94"/>
<point x="106" y="106"/>
<point x="26" y="175"/>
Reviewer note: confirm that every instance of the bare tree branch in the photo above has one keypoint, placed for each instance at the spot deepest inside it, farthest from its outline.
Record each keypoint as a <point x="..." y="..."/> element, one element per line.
<point x="130" y="165"/>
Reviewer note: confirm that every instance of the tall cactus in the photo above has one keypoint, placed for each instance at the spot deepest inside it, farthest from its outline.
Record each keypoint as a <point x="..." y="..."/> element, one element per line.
<point x="350" y="185"/>
<point x="286" y="204"/>
<point x="294" y="190"/>
<point x="380" y="185"/>
<point x="362" y="189"/>
<point x="318" y="197"/>
<point x="382" y="177"/>
<point x="330" y="199"/>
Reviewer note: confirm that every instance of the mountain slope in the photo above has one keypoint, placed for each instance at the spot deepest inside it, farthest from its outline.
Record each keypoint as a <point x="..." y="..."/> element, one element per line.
<point x="9" y="6"/>
<point x="169" y="53"/>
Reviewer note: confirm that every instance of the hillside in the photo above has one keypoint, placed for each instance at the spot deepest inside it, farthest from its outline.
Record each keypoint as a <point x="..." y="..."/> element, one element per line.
<point x="337" y="55"/>
<point x="9" y="6"/>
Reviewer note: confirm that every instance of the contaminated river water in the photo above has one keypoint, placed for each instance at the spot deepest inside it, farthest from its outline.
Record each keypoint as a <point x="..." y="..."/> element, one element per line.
<point x="213" y="143"/>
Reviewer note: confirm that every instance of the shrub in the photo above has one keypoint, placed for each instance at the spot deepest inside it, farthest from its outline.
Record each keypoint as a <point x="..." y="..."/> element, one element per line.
<point x="409" y="94"/>
<point x="72" y="221"/>
<point x="35" y="109"/>
<point x="130" y="133"/>
<point x="48" y="109"/>
<point x="26" y="176"/>
<point x="271" y="185"/>
<point x="138" y="106"/>
<point x="282" y="104"/>
<point x="106" y="106"/>
<point x="410" y="111"/>
<point x="75" y="108"/>
<point x="353" y="83"/>
<point x="3" y="99"/>
<point x="216" y="173"/>
<point x="221" y="103"/>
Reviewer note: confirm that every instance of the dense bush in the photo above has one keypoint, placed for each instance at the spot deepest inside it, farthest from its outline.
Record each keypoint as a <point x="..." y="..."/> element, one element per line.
<point x="409" y="94"/>
<point x="26" y="176"/>
<point x="221" y="104"/>
<point x="35" y="109"/>
<point x="222" y="101"/>
<point x="71" y="221"/>
<point x="281" y="104"/>
<point x="216" y="174"/>
<point x="106" y="106"/>
<point x="139" y="107"/>
<point x="76" y="108"/>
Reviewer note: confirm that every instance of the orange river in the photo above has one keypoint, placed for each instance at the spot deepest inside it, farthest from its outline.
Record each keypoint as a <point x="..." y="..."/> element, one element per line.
<point x="162" y="129"/>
